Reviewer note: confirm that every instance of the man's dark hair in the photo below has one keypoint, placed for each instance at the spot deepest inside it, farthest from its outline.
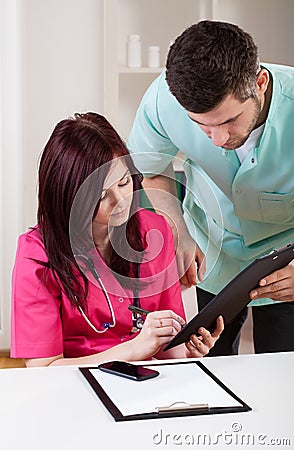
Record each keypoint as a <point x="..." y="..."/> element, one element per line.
<point x="209" y="61"/>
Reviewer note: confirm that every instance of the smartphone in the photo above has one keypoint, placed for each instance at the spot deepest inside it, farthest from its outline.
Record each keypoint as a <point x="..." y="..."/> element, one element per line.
<point x="128" y="370"/>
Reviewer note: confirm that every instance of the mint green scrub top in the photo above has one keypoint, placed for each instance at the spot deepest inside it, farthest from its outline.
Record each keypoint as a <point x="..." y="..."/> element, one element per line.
<point x="235" y="211"/>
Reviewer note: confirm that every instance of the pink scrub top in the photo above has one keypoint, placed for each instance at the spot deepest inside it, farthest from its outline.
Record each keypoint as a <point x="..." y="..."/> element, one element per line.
<point x="44" y="323"/>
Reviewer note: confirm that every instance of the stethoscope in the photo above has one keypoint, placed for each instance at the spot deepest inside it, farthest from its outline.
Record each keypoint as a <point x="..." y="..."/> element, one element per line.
<point x="138" y="320"/>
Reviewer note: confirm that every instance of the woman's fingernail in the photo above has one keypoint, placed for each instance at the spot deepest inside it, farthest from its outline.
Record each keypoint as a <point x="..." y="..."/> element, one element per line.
<point x="254" y="294"/>
<point x="262" y="282"/>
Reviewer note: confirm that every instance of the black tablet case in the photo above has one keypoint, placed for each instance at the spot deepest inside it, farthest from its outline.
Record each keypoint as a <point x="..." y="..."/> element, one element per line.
<point x="235" y="295"/>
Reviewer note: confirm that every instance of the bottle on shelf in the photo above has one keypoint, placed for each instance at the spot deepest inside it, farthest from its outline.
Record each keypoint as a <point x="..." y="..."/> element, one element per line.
<point x="134" y="57"/>
<point x="153" y="56"/>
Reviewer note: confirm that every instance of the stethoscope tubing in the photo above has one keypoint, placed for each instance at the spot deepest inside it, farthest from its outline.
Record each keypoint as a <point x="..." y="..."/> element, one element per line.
<point x="91" y="267"/>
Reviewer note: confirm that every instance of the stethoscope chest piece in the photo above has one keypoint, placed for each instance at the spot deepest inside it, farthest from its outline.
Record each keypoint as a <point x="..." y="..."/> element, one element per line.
<point x="138" y="322"/>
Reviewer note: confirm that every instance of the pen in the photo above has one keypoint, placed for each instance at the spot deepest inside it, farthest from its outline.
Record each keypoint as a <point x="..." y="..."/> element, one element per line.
<point x="138" y="310"/>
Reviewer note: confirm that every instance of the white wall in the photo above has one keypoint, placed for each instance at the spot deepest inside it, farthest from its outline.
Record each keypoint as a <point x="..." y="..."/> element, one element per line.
<point x="51" y="53"/>
<point x="269" y="21"/>
<point x="10" y="153"/>
<point x="61" y="73"/>
<point x="51" y="56"/>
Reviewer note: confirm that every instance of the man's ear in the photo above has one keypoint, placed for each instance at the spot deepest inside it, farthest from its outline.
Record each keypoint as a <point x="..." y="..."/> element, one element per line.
<point x="262" y="81"/>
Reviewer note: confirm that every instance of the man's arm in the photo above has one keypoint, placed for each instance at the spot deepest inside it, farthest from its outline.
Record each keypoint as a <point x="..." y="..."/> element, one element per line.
<point x="162" y="193"/>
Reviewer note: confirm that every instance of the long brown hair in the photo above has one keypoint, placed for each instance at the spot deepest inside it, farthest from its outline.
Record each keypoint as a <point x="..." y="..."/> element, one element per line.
<point x="77" y="147"/>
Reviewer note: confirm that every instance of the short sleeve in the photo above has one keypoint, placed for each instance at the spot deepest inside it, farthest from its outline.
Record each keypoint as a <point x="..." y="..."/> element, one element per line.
<point x="149" y="144"/>
<point x="171" y="296"/>
<point x="36" y="329"/>
<point x="159" y="271"/>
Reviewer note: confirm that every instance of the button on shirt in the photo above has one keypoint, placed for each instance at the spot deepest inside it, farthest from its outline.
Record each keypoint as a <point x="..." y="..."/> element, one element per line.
<point x="251" y="142"/>
<point x="235" y="211"/>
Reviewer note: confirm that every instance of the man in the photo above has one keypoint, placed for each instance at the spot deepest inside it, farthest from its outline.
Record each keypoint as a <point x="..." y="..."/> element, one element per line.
<point x="234" y="120"/>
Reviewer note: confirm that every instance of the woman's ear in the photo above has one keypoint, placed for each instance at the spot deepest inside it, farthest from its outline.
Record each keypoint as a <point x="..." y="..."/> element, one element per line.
<point x="262" y="81"/>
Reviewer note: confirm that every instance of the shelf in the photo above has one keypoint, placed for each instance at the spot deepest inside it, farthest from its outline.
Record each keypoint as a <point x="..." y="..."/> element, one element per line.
<point x="128" y="70"/>
<point x="124" y="87"/>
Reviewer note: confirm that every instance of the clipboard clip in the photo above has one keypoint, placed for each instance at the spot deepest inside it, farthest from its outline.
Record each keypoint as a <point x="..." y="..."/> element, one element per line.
<point x="182" y="406"/>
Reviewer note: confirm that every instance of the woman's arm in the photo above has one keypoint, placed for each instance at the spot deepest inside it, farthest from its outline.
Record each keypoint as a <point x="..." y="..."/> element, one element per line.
<point x="158" y="330"/>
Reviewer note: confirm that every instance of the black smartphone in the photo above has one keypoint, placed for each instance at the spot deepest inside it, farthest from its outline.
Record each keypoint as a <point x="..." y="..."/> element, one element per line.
<point x="128" y="370"/>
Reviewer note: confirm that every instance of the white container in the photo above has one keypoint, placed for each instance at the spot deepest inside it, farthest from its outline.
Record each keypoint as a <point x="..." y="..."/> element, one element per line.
<point x="134" y="57"/>
<point x="153" y="56"/>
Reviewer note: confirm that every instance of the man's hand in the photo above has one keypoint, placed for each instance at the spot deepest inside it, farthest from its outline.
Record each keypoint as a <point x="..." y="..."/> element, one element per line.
<point x="187" y="254"/>
<point x="162" y="192"/>
<point x="279" y="285"/>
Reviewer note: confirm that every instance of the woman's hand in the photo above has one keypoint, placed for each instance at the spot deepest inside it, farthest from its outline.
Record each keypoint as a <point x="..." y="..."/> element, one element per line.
<point x="159" y="328"/>
<point x="279" y="285"/>
<point x="199" y="346"/>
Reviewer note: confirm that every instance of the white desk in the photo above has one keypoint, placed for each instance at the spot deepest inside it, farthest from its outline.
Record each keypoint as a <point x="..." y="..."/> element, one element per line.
<point x="55" y="408"/>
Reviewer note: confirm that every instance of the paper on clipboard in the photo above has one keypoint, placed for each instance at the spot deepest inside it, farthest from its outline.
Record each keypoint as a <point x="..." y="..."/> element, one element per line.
<point x="185" y="384"/>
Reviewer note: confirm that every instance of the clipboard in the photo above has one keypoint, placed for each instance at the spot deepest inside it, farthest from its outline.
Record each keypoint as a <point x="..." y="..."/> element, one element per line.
<point x="235" y="295"/>
<point x="166" y="395"/>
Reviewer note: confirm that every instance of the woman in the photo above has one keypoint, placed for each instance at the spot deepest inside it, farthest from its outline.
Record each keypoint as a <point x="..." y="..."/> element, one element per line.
<point x="92" y="254"/>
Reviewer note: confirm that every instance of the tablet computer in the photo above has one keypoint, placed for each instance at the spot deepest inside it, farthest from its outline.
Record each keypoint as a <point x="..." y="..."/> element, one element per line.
<point x="235" y="295"/>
